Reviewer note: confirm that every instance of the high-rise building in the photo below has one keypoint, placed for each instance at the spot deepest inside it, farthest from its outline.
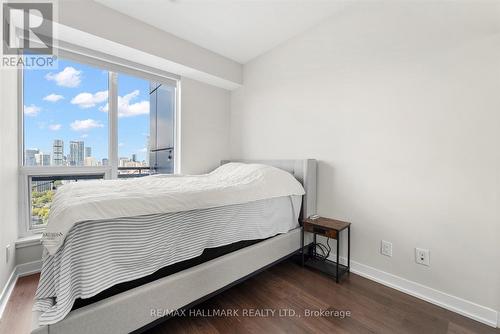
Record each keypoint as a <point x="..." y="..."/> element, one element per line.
<point x="58" y="152"/>
<point x="148" y="147"/>
<point x="88" y="152"/>
<point x="122" y="162"/>
<point x="134" y="157"/>
<point x="29" y="157"/>
<point x="76" y="153"/>
<point x="105" y="161"/>
<point x="42" y="159"/>
<point x="161" y="157"/>
<point x="90" y="162"/>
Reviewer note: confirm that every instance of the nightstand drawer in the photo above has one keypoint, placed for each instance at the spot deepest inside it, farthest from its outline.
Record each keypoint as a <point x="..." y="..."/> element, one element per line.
<point x="320" y="230"/>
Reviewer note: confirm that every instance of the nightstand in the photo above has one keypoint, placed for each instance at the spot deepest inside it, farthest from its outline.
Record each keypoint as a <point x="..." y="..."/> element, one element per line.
<point x="329" y="228"/>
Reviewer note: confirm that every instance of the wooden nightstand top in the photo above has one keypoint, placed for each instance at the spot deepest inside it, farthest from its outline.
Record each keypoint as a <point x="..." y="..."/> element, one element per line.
<point x="333" y="224"/>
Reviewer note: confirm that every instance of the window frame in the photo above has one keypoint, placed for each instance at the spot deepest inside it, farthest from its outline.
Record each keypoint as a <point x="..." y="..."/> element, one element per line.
<point x="114" y="66"/>
<point x="25" y="189"/>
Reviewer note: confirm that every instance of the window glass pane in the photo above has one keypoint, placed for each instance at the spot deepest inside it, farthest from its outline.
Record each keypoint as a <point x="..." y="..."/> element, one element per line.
<point x="161" y="153"/>
<point x="142" y="126"/>
<point x="133" y="126"/>
<point x="42" y="190"/>
<point x="65" y="115"/>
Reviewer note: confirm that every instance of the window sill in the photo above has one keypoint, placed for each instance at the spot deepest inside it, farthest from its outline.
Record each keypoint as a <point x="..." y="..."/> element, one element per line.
<point x="33" y="240"/>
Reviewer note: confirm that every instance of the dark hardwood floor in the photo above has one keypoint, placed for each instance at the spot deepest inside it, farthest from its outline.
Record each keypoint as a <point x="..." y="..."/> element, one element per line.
<point x="373" y="308"/>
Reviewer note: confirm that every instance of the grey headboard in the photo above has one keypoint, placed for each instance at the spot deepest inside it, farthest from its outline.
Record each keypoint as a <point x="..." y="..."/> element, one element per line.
<point x="304" y="170"/>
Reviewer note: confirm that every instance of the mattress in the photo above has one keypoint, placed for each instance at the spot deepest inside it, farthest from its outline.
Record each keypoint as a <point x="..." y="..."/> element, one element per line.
<point x="233" y="183"/>
<point x="97" y="255"/>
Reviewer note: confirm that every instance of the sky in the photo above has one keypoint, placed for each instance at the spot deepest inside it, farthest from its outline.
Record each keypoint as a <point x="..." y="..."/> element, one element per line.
<point x="71" y="103"/>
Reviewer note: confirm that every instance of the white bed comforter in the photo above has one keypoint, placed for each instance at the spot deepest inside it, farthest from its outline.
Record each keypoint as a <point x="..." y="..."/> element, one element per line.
<point x="233" y="183"/>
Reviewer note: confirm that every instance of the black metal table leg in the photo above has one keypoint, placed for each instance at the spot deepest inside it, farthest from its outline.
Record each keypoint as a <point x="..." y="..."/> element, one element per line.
<point x="314" y="246"/>
<point x="338" y="257"/>
<point x="302" y="249"/>
<point x="349" y="249"/>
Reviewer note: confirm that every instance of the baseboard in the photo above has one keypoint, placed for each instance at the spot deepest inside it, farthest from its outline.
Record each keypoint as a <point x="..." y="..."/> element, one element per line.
<point x="28" y="268"/>
<point x="18" y="271"/>
<point x="7" y="290"/>
<point x="452" y="303"/>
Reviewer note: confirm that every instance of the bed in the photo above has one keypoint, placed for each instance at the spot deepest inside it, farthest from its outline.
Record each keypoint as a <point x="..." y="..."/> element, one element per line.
<point x="126" y="297"/>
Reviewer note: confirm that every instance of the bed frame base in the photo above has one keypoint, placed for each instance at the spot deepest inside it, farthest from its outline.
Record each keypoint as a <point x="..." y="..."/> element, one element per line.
<point x="133" y="310"/>
<point x="215" y="293"/>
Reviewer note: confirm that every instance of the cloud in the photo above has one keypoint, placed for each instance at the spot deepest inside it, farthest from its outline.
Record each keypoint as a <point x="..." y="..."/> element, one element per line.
<point x="53" y="98"/>
<point x="125" y="109"/>
<point x="121" y="144"/>
<point x="31" y="110"/>
<point x="69" y="77"/>
<point x="84" y="135"/>
<point x="144" y="149"/>
<point x="89" y="100"/>
<point x="85" y="125"/>
<point x="55" y="127"/>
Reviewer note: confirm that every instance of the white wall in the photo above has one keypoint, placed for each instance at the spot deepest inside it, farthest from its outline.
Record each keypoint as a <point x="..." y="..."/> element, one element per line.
<point x="401" y="104"/>
<point x="204" y="126"/>
<point x="8" y="171"/>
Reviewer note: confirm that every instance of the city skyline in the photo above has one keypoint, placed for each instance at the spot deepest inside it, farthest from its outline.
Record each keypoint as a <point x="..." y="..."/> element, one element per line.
<point x="79" y="155"/>
<point x="71" y="104"/>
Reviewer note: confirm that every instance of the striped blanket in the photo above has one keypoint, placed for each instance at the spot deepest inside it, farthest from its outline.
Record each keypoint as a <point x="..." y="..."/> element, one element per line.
<point x="99" y="254"/>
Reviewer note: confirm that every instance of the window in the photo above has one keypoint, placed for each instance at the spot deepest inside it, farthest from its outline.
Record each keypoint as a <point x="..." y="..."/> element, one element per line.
<point x="134" y="113"/>
<point x="146" y="115"/>
<point x="65" y="121"/>
<point x="162" y="127"/>
<point x="42" y="190"/>
<point x="90" y="119"/>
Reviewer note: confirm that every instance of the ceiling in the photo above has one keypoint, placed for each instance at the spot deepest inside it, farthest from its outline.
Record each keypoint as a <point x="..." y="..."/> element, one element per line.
<point x="237" y="29"/>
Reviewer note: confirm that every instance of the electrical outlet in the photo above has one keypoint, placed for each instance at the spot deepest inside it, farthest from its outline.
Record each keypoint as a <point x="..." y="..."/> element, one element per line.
<point x="386" y="248"/>
<point x="7" y="253"/>
<point x="422" y="256"/>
